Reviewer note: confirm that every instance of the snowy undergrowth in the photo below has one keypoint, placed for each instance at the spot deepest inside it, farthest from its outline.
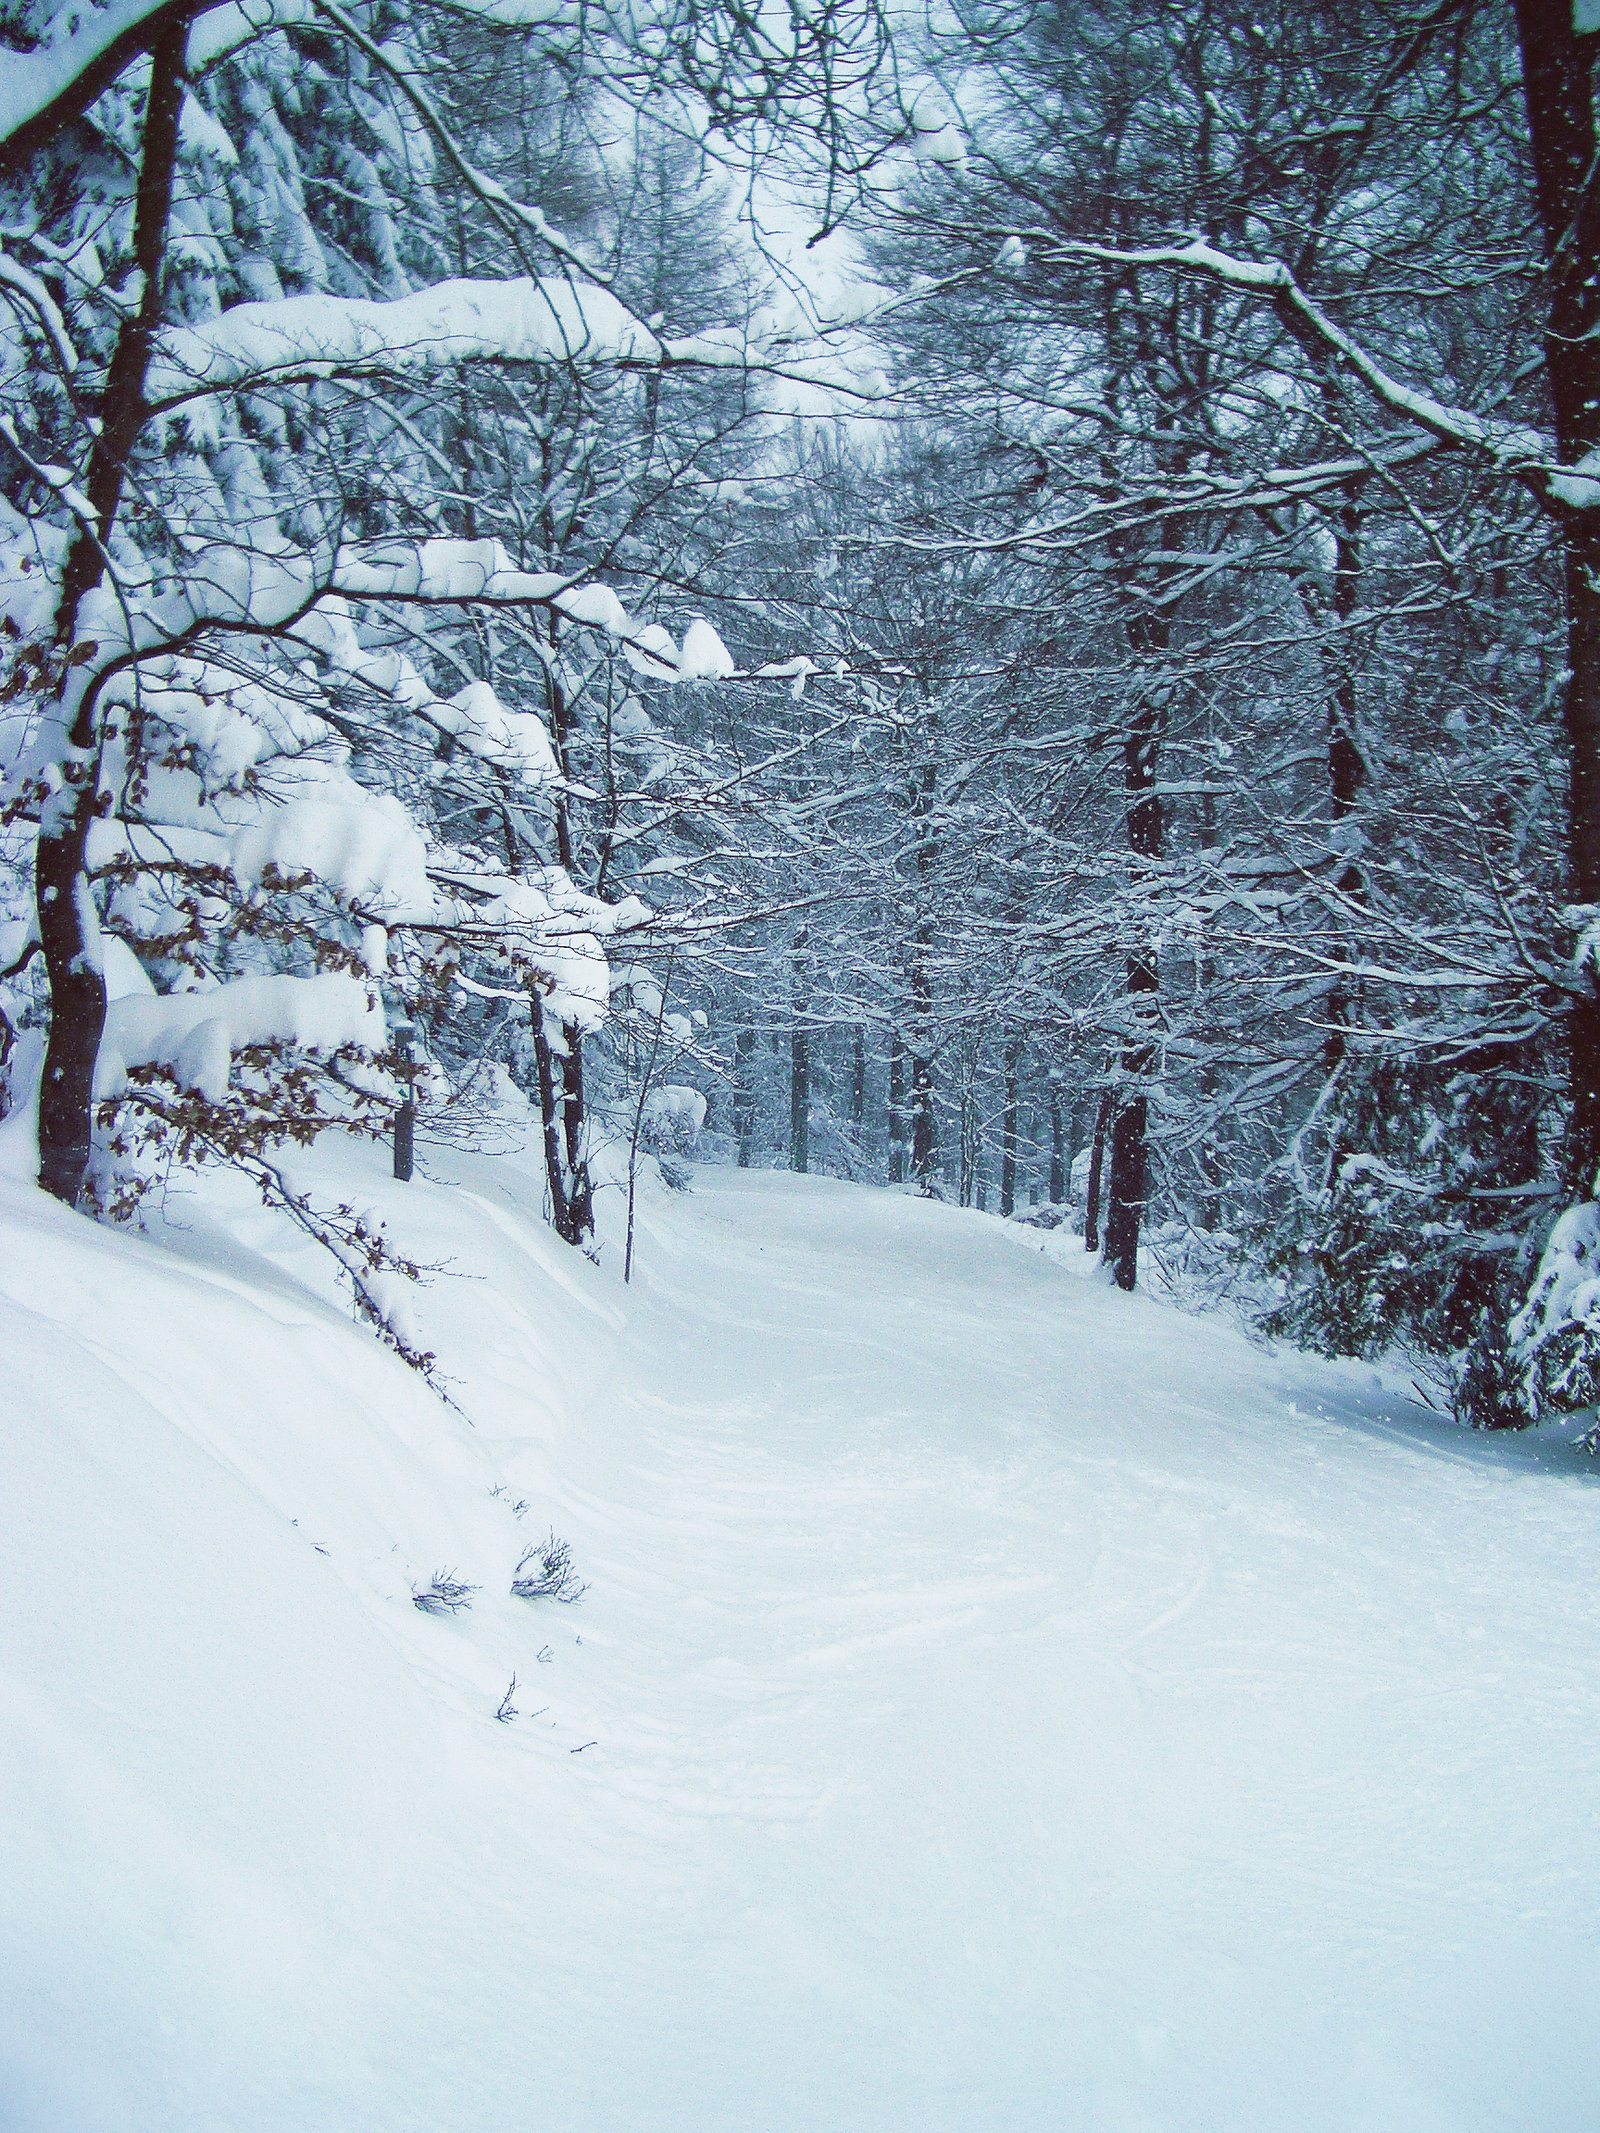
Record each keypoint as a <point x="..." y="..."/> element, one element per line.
<point x="998" y="1702"/>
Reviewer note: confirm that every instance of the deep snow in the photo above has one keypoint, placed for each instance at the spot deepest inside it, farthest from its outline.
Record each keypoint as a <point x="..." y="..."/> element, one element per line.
<point x="1000" y="1703"/>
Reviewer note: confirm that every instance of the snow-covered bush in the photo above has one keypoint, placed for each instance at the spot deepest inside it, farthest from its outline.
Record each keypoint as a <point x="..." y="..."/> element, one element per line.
<point x="1391" y="1228"/>
<point x="1542" y="1362"/>
<point x="1047" y="1215"/>
<point x="673" y="1117"/>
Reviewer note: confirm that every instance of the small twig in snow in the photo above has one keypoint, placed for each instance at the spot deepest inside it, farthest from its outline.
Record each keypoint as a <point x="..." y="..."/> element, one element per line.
<point x="552" y="1576"/>
<point x="445" y="1595"/>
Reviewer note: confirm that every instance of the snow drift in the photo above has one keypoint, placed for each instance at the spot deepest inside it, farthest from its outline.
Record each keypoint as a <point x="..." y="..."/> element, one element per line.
<point x="999" y="1703"/>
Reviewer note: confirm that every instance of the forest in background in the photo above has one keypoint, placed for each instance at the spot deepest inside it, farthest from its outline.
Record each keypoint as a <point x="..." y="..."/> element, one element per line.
<point x="1089" y="702"/>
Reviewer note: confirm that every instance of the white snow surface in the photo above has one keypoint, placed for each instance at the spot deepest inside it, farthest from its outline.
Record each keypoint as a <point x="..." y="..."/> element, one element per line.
<point x="999" y="1704"/>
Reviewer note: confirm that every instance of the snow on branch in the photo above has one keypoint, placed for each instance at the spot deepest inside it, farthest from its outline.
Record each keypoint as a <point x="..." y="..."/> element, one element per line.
<point x="18" y="282"/>
<point x="1528" y="455"/>
<point x="221" y="31"/>
<point x="41" y="90"/>
<point x="528" y="320"/>
<point x="233" y="587"/>
<point x="195" y="1034"/>
<point x="531" y="319"/>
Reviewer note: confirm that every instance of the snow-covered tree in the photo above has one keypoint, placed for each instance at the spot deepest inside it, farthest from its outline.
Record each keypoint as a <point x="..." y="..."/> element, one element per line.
<point x="317" y="438"/>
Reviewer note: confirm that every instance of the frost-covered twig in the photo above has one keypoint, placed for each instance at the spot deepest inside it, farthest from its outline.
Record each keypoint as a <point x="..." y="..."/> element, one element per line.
<point x="1524" y="453"/>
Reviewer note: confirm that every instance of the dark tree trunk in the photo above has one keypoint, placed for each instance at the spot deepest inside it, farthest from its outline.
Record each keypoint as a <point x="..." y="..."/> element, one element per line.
<point x="924" y="1119"/>
<point x="574" y="1125"/>
<point x="1126" y="1200"/>
<point x="1149" y="631"/>
<point x="1346" y="770"/>
<point x="69" y="932"/>
<point x="858" y="1079"/>
<point x="1058" y="1169"/>
<point x="744" y="1095"/>
<point x="1210" y="1074"/>
<point x="1129" y="1160"/>
<point x="800" y="1069"/>
<point x="1097" y="1157"/>
<point x="1008" y="1127"/>
<point x="1582" y="1157"/>
<point x="122" y="404"/>
<point x="1558" y="78"/>
<point x="800" y="1100"/>
<point x="70" y="937"/>
<point x="550" y="1120"/>
<point x="924" y="1122"/>
<point x="897" y="1108"/>
<point x="560" y="1077"/>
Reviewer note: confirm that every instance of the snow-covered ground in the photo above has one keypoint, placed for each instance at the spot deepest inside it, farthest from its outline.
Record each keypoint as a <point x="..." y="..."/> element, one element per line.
<point x="1000" y="1704"/>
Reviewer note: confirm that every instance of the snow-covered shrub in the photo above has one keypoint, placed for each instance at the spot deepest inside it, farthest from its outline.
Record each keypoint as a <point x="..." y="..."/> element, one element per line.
<point x="1047" y="1215"/>
<point x="1392" y="1227"/>
<point x="672" y="1121"/>
<point x="1542" y="1364"/>
<point x="1202" y="1270"/>
<point x="835" y="1148"/>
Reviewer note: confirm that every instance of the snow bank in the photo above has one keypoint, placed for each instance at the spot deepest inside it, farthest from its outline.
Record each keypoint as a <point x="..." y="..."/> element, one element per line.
<point x="998" y="1703"/>
<point x="232" y="1798"/>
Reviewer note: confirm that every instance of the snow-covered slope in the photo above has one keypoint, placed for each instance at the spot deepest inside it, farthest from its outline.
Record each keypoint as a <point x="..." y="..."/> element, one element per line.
<point x="999" y="1704"/>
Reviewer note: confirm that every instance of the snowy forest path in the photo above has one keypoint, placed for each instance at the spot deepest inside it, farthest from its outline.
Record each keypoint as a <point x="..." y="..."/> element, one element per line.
<point x="1001" y="1705"/>
<point x="1036" y="1661"/>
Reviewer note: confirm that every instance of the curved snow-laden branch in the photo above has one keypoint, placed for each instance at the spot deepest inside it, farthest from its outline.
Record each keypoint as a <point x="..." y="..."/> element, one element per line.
<point x="298" y="337"/>
<point x="21" y="285"/>
<point x="237" y="589"/>
<point x="41" y="91"/>
<point x="1198" y="490"/>
<point x="530" y="319"/>
<point x="1527" y="455"/>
